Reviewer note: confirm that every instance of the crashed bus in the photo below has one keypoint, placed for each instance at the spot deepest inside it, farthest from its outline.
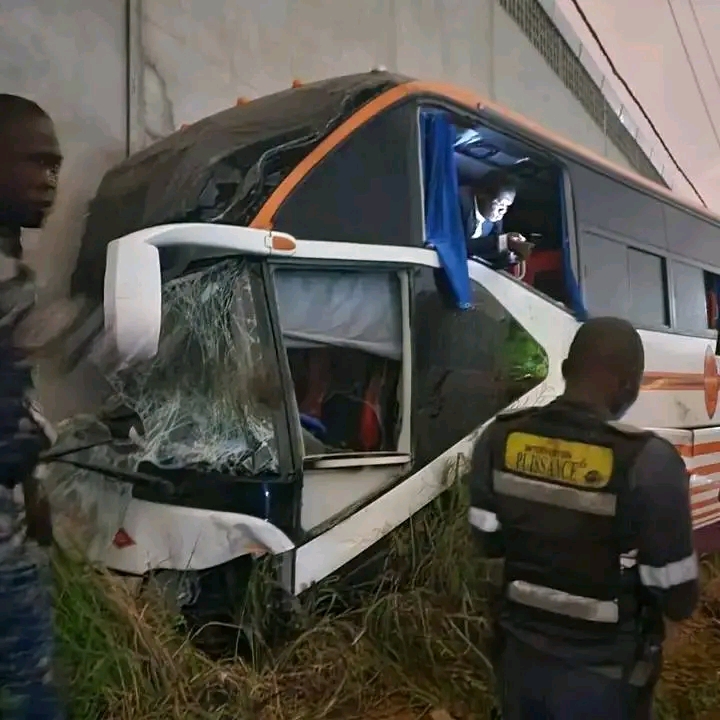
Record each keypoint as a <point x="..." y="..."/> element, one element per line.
<point x="306" y="355"/>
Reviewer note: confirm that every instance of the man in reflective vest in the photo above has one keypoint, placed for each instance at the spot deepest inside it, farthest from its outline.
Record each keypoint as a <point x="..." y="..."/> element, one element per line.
<point x="593" y="520"/>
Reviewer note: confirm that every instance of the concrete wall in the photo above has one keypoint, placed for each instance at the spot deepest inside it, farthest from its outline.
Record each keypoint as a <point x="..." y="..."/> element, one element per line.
<point x="71" y="58"/>
<point x="125" y="72"/>
<point x="192" y="68"/>
<point x="72" y="62"/>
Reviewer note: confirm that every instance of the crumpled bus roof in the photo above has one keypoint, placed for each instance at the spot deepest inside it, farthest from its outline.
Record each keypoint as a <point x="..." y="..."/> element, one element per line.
<point x="221" y="169"/>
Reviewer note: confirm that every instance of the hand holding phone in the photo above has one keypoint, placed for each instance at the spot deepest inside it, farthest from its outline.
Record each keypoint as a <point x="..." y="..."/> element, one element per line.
<point x="519" y="245"/>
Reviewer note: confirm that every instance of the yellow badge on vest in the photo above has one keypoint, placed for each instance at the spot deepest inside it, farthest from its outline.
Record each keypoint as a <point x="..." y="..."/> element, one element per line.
<point x="563" y="461"/>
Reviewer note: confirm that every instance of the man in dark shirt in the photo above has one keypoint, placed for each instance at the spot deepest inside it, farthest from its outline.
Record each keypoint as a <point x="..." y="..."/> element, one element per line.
<point x="593" y="520"/>
<point x="482" y="209"/>
<point x="29" y="164"/>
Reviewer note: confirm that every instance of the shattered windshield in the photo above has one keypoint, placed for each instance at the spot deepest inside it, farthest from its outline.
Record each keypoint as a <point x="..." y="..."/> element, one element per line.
<point x="207" y="398"/>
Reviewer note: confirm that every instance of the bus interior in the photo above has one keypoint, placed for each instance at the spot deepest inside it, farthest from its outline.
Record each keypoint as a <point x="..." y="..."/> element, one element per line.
<point x="537" y="212"/>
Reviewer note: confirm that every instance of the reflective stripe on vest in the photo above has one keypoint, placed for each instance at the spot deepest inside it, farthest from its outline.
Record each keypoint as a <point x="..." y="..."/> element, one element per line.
<point x="670" y="575"/>
<point x="570" y="498"/>
<point x="483" y="520"/>
<point x="562" y="603"/>
<point x="545" y="598"/>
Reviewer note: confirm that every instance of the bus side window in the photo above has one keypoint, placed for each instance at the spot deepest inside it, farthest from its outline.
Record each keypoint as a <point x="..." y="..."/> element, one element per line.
<point x="480" y="156"/>
<point x="622" y="248"/>
<point x="343" y="331"/>
<point x="600" y="260"/>
<point x="469" y="364"/>
<point x="695" y="238"/>
<point x="647" y="273"/>
<point x="692" y="296"/>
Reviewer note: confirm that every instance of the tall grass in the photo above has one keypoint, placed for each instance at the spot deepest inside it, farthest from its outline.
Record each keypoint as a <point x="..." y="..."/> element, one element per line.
<point x="414" y="640"/>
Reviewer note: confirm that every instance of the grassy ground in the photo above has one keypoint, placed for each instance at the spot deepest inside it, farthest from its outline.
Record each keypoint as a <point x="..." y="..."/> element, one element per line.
<point x="413" y="642"/>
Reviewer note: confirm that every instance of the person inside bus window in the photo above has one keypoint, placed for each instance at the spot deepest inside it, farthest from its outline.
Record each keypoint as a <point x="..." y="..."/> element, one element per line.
<point x="482" y="209"/>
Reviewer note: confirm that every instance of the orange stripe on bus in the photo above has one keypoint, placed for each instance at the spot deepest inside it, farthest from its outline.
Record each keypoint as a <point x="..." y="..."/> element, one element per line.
<point x="266" y="215"/>
<point x="673" y="381"/>
<point x="706" y="469"/>
<point x="693" y="451"/>
<point x="697" y="502"/>
<point x="705" y="502"/>
<point x="699" y="505"/>
<point x="472" y="101"/>
<point x="706" y="448"/>
<point x="699" y="489"/>
<point x="700" y="512"/>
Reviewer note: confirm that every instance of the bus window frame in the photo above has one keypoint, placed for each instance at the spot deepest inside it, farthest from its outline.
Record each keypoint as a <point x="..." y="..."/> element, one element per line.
<point x="403" y="455"/>
<point x="478" y="119"/>
<point x="669" y="258"/>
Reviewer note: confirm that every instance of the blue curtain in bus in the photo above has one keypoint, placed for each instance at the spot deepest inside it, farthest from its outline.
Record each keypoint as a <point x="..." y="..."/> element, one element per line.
<point x="572" y="286"/>
<point x="443" y="224"/>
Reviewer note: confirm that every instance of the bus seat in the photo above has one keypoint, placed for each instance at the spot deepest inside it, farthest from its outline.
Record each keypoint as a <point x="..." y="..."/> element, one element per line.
<point x="370" y="431"/>
<point x="541" y="262"/>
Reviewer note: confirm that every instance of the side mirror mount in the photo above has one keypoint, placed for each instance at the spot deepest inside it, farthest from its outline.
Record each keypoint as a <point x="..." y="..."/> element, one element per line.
<point x="133" y="299"/>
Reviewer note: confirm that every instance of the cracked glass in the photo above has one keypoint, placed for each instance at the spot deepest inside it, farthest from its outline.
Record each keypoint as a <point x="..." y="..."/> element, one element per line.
<point x="207" y="400"/>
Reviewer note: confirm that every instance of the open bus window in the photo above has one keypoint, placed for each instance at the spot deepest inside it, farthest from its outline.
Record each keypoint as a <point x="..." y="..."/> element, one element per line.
<point x="536" y="212"/>
<point x="536" y="209"/>
<point x="208" y="397"/>
<point x="343" y="331"/>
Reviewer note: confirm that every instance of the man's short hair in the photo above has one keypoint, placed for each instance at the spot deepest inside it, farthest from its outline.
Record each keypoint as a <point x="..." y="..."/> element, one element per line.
<point x="497" y="182"/>
<point x="15" y="107"/>
<point x="604" y="342"/>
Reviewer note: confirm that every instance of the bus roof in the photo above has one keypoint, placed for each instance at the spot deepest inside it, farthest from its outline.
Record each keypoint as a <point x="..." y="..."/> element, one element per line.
<point x="240" y="165"/>
<point x="478" y="104"/>
<point x="230" y="161"/>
